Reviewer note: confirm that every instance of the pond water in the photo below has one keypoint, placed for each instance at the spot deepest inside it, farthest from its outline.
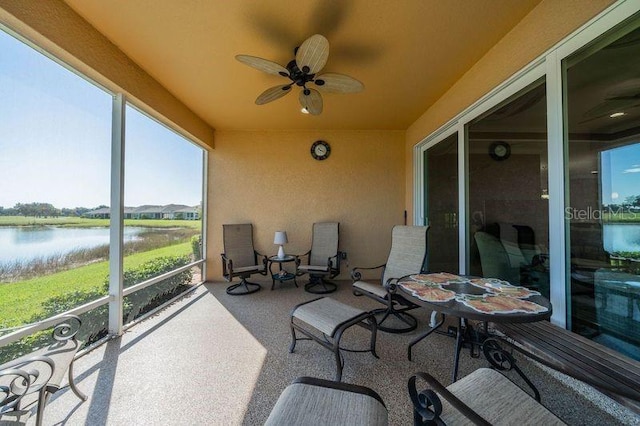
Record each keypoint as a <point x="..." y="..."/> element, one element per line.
<point x="621" y="237"/>
<point x="25" y="243"/>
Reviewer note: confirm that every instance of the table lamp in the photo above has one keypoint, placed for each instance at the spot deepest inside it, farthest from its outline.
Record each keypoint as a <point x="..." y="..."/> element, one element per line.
<point x="281" y="239"/>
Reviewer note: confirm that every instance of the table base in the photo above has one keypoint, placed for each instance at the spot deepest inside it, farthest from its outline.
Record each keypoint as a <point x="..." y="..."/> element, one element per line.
<point x="478" y="340"/>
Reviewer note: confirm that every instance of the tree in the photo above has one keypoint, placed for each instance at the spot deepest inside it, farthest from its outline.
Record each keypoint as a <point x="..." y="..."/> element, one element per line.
<point x="37" y="210"/>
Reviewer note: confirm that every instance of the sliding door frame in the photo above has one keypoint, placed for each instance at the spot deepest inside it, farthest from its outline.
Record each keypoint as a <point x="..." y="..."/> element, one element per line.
<point x="549" y="66"/>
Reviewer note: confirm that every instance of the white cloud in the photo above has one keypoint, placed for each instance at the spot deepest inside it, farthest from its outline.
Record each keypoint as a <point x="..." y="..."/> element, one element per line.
<point x="634" y="169"/>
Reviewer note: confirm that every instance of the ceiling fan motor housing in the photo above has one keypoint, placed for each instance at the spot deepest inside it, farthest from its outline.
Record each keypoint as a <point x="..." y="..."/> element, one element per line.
<point x="298" y="76"/>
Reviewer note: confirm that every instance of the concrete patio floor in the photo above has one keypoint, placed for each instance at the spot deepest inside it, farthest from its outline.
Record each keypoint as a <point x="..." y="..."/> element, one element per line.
<point x="215" y="359"/>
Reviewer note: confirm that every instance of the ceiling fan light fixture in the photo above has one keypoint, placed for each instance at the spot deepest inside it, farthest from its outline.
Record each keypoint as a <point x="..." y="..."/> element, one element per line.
<point x="309" y="59"/>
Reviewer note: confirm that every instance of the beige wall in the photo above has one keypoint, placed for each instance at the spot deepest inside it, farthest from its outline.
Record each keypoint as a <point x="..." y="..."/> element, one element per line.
<point x="56" y="28"/>
<point x="270" y="179"/>
<point x="547" y="24"/>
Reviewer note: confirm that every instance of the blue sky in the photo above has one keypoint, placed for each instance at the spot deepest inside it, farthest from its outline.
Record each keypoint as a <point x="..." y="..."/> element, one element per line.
<point x="620" y="173"/>
<point x="55" y="141"/>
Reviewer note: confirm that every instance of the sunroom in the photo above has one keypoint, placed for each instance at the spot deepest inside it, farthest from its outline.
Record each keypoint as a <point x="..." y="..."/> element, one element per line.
<point x="514" y="139"/>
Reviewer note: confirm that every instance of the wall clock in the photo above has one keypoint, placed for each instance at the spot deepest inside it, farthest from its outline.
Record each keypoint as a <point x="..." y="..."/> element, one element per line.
<point x="320" y="150"/>
<point x="500" y="151"/>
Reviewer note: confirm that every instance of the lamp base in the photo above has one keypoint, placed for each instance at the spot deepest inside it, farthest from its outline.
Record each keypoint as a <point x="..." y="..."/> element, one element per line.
<point x="281" y="254"/>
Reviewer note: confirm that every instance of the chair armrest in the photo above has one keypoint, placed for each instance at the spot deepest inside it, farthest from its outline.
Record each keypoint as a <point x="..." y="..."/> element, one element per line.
<point x="357" y="276"/>
<point x="428" y="407"/>
<point x="227" y="265"/>
<point x="391" y="284"/>
<point x="298" y="256"/>
<point x="334" y="271"/>
<point x="264" y="259"/>
<point x="297" y="261"/>
<point x="67" y="328"/>
<point x="23" y="377"/>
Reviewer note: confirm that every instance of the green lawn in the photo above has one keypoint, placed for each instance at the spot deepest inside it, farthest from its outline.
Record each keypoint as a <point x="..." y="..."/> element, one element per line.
<point x="19" y="301"/>
<point x="81" y="222"/>
<point x="621" y="217"/>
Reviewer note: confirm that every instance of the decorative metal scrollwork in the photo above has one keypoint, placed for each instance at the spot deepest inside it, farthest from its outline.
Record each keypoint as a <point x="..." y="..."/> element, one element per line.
<point x="356" y="275"/>
<point x="427" y="406"/>
<point x="22" y="378"/>
<point x="497" y="357"/>
<point x="502" y="360"/>
<point x="67" y="329"/>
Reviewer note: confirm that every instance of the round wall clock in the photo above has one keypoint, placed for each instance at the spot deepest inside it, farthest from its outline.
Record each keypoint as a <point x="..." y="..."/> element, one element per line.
<point x="500" y="151"/>
<point x="320" y="150"/>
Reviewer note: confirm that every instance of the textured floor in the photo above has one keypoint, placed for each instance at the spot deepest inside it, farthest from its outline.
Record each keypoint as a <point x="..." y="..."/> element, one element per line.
<point x="219" y="360"/>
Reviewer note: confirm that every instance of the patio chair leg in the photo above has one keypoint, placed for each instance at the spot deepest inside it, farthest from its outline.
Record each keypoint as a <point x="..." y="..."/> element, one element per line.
<point x="457" y="349"/>
<point x="404" y="317"/>
<point x="43" y="397"/>
<point x="336" y="352"/>
<point x="72" y="385"/>
<point x="374" y="331"/>
<point x="244" y="286"/>
<point x="319" y="285"/>
<point x="292" y="346"/>
<point x="424" y="336"/>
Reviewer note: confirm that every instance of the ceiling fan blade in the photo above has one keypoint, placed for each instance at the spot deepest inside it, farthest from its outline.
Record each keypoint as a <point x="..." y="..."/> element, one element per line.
<point x="338" y="83"/>
<point x="273" y="93"/>
<point x="312" y="101"/>
<point x="267" y="66"/>
<point x="313" y="54"/>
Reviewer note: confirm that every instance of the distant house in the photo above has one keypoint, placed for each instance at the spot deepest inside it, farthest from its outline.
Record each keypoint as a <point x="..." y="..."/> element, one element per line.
<point x="101" y="213"/>
<point x="170" y="211"/>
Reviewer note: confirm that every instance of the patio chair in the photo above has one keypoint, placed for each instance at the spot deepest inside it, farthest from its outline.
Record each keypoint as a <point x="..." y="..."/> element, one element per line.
<point x="407" y="256"/>
<point x="240" y="259"/>
<point x="484" y="397"/>
<point x="323" y="260"/>
<point x="40" y="372"/>
<point x="495" y="260"/>
<point x="312" y="401"/>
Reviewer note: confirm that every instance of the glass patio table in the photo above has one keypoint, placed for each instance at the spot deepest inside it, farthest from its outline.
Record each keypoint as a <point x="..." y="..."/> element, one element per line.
<point x="471" y="298"/>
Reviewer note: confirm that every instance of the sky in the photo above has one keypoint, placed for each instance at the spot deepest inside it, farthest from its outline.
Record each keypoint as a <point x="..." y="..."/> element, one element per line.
<point x="55" y="141"/>
<point x="620" y="173"/>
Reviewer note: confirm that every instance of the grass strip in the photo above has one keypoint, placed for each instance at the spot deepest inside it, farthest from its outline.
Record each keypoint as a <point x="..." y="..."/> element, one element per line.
<point x="20" y="301"/>
<point x="83" y="222"/>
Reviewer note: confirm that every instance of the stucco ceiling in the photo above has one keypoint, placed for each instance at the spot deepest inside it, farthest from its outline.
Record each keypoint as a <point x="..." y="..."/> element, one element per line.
<point x="407" y="52"/>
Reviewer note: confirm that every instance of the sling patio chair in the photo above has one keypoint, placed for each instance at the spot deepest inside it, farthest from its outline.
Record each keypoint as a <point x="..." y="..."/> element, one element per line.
<point x="323" y="260"/>
<point x="240" y="259"/>
<point x="407" y="256"/>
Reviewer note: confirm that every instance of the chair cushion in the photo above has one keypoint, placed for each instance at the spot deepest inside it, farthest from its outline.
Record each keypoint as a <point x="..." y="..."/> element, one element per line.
<point x="314" y="268"/>
<point x="313" y="403"/>
<point x="326" y="314"/>
<point x="375" y="289"/>
<point x="497" y="399"/>
<point x="254" y="268"/>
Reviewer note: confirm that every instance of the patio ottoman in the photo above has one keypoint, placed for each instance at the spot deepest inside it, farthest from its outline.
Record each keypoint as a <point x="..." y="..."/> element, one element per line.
<point x="311" y="401"/>
<point x="324" y="320"/>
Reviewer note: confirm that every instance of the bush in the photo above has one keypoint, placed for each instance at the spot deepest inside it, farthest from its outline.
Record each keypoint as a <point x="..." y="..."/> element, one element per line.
<point x="95" y="322"/>
<point x="196" y="247"/>
<point x="148" y="298"/>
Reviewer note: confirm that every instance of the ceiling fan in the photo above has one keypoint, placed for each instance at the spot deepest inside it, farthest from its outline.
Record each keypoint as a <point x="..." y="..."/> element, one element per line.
<point x="303" y="71"/>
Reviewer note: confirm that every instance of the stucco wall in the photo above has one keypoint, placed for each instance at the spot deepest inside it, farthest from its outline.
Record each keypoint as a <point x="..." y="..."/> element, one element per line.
<point x="55" y="27"/>
<point x="269" y="179"/>
<point x="547" y="24"/>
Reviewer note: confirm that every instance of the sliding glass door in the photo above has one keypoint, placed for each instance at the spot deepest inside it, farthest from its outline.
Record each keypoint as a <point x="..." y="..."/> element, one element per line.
<point x="508" y="191"/>
<point x="603" y="176"/>
<point x="441" y="206"/>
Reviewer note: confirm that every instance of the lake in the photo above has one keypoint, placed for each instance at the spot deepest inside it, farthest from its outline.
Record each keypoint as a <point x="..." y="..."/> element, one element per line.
<point x="25" y="243"/>
<point x="621" y="237"/>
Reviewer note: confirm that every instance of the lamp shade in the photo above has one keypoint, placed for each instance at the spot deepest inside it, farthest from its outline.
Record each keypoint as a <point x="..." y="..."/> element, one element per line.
<point x="280" y="238"/>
